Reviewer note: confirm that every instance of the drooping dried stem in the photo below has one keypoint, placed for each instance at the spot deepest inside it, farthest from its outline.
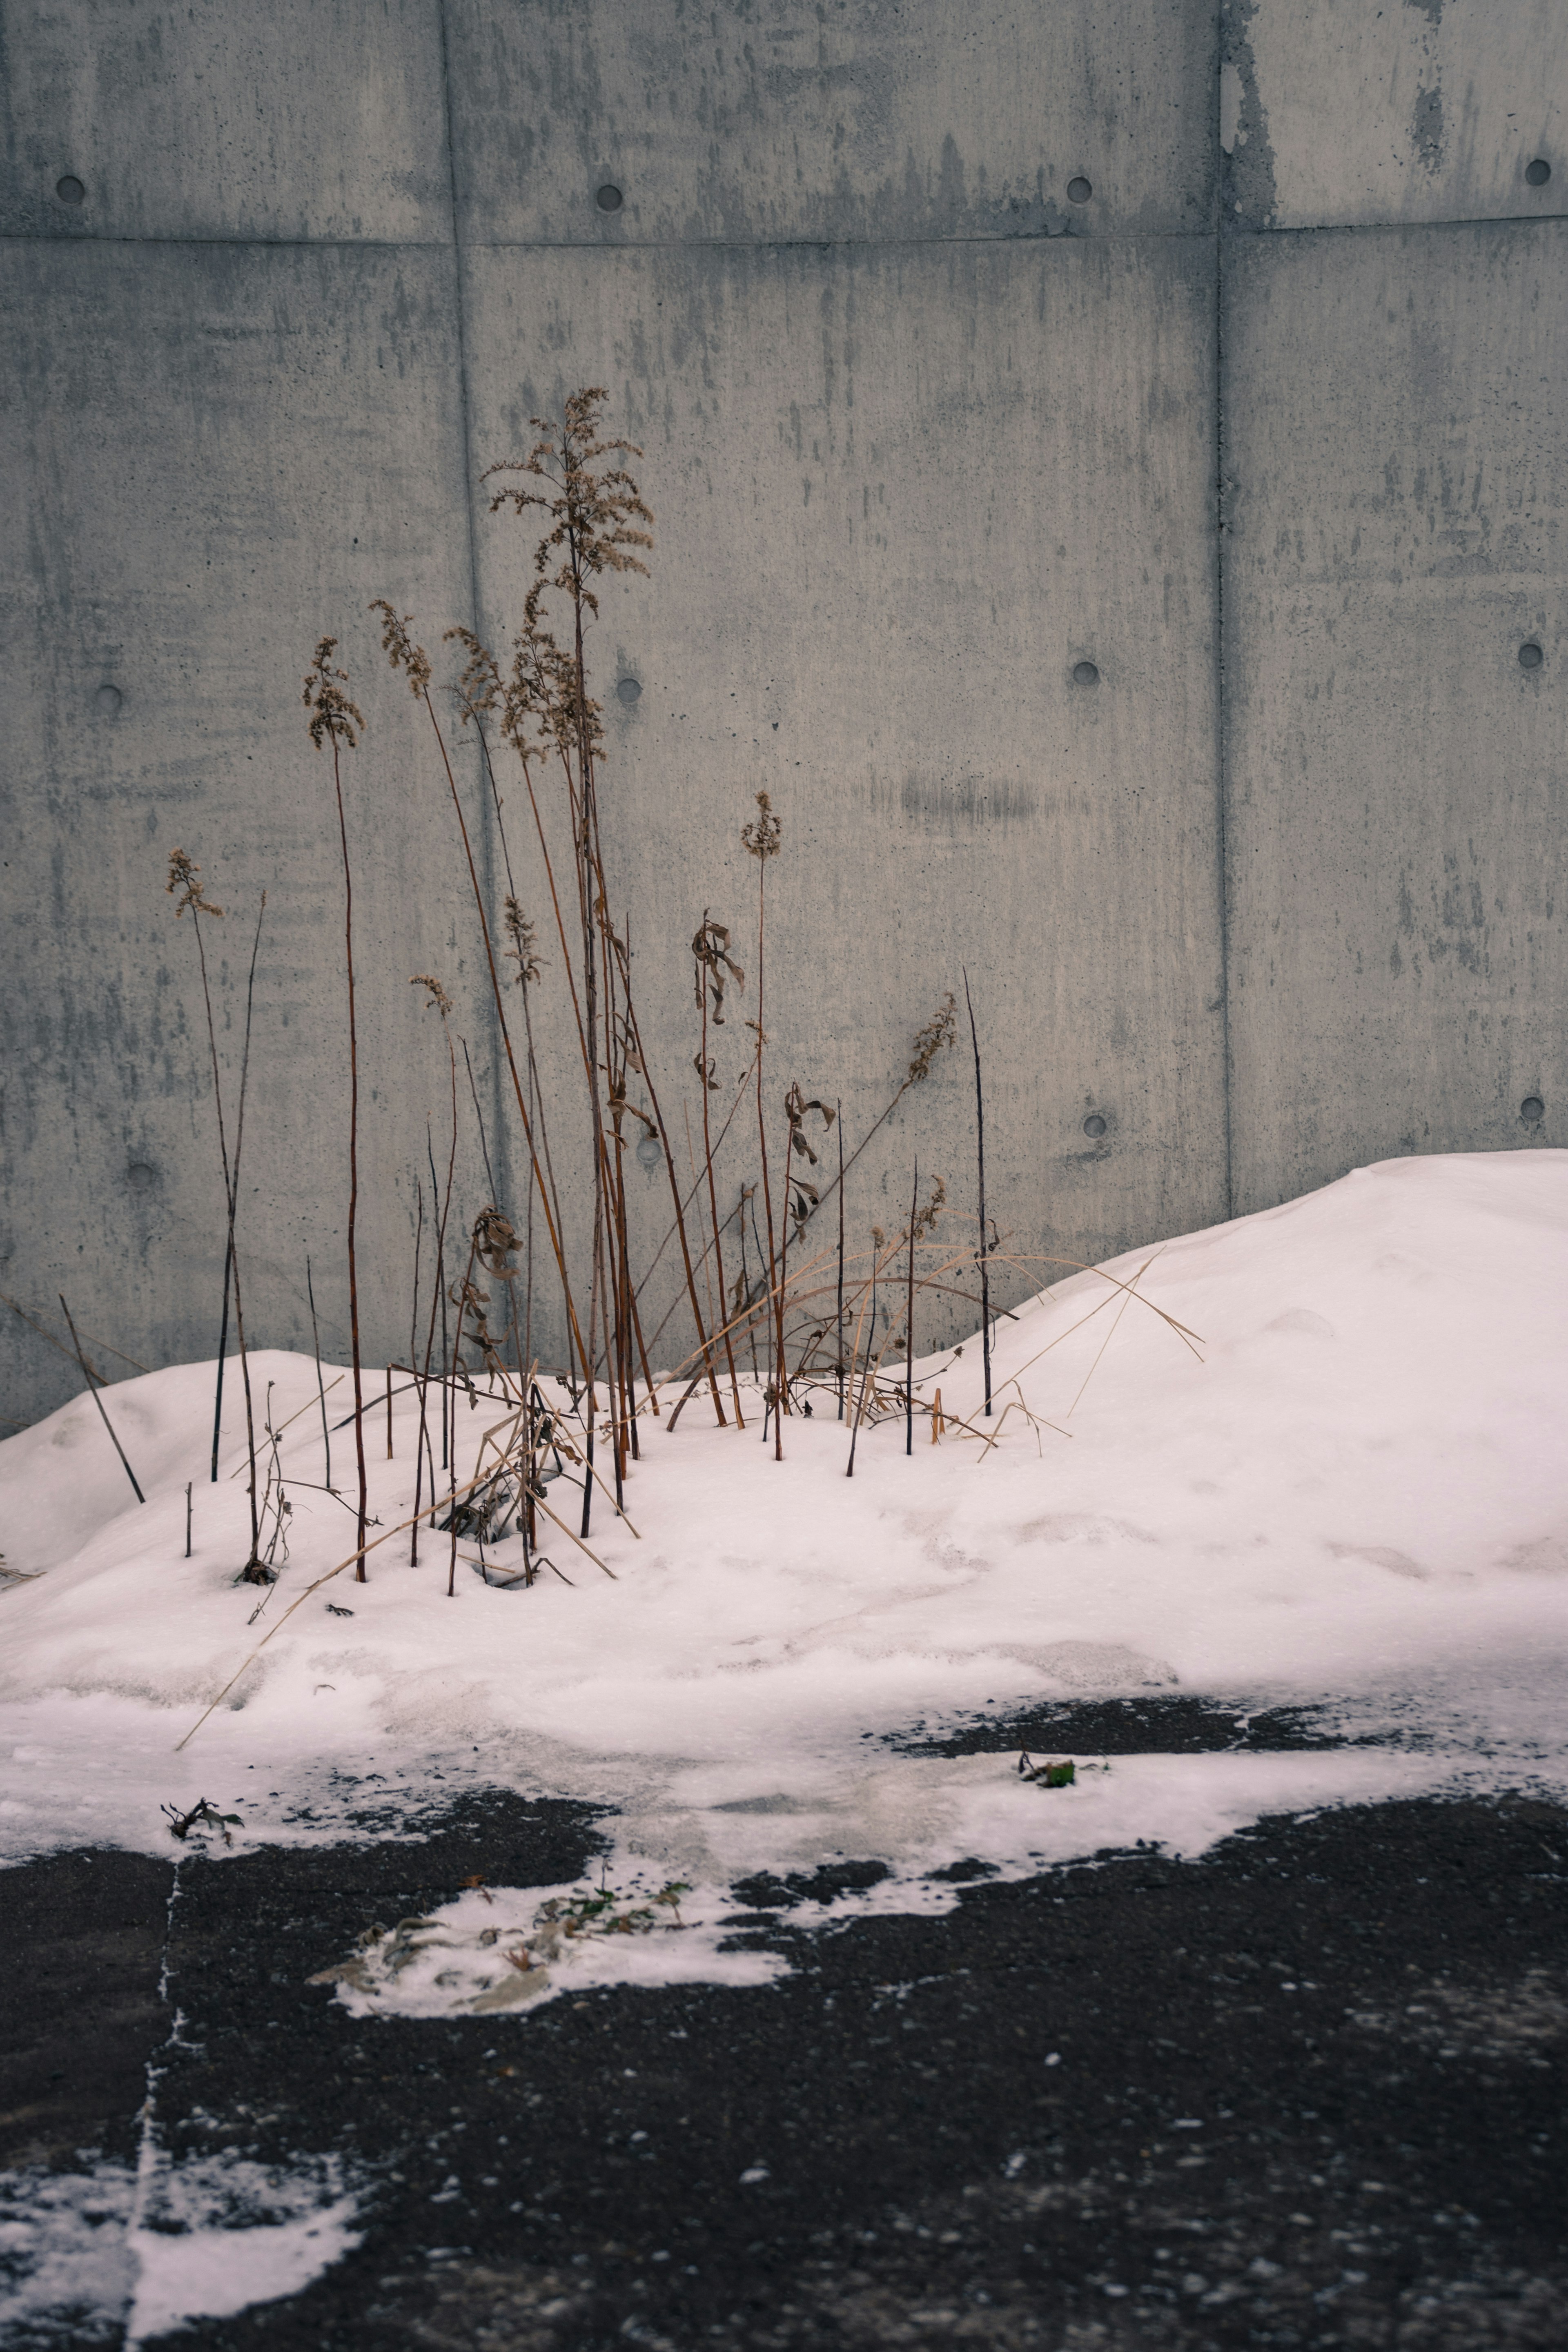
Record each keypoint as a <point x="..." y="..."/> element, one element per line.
<point x="984" y="1229"/>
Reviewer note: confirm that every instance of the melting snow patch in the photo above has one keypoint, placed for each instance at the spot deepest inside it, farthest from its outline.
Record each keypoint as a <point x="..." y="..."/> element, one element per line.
<point x="108" y="2256"/>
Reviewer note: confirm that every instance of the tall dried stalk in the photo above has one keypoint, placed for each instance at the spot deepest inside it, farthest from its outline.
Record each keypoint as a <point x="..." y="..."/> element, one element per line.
<point x="984" y="1229"/>
<point x="760" y="838"/>
<point x="184" y="879"/>
<point x="437" y="1000"/>
<point x="403" y="654"/>
<point x="320" y="1391"/>
<point x="839" y="1324"/>
<point x="909" y="1321"/>
<point x="333" y="718"/>
<point x="713" y="960"/>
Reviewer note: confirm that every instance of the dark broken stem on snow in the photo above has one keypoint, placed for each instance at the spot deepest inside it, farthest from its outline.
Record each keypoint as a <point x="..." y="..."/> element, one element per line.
<point x="98" y="1401"/>
<point x="320" y="1391"/>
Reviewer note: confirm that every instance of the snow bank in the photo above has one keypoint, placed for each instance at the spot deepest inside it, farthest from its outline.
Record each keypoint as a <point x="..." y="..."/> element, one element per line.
<point x="1352" y="1484"/>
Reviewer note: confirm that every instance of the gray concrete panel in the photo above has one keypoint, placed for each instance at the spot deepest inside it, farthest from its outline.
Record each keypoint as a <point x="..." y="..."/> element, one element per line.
<point x="881" y="120"/>
<point x="224" y="454"/>
<point x="1333" y="113"/>
<point x="1396" y="480"/>
<point x="900" y="497"/>
<point x="295" y="119"/>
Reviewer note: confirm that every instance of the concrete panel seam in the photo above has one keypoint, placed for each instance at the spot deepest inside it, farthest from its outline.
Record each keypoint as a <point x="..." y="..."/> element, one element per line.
<point x="20" y="237"/>
<point x="497" y="1119"/>
<point x="1222" y="772"/>
<point x="1241" y="235"/>
<point x="822" y="244"/>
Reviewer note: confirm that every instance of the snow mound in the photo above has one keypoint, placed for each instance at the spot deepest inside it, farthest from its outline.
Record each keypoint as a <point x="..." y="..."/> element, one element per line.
<point x="1351" y="1478"/>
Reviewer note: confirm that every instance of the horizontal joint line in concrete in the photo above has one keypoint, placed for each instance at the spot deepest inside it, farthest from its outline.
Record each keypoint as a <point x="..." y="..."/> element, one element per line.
<point x="1239" y="233"/>
<point x="572" y="244"/>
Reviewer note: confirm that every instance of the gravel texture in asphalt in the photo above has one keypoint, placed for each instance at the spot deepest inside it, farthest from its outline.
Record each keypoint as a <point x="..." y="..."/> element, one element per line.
<point x="1305" y="2091"/>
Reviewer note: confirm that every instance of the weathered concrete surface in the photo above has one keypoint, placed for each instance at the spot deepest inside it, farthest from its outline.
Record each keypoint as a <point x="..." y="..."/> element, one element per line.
<point x="299" y="119"/>
<point x="1397" y="482"/>
<point x="899" y="494"/>
<point x="908" y="475"/>
<point x="880" y="119"/>
<point x="224" y="454"/>
<point x="1334" y="114"/>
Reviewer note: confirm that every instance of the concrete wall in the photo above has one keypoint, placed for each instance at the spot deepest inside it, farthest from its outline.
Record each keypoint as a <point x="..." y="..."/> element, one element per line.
<point x="1218" y="346"/>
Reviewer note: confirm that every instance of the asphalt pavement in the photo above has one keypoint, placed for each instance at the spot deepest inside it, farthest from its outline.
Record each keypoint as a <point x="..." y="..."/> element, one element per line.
<point x="1307" y="2090"/>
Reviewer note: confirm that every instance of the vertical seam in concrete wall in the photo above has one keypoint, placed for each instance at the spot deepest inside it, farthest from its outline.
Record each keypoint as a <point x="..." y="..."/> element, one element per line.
<point x="500" y="1155"/>
<point x="1222" y="772"/>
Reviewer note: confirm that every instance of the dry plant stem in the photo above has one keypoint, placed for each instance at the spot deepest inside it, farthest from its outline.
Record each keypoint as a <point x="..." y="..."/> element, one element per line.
<point x="254" y="1560"/>
<point x="838" y="1328"/>
<point x="92" y="1390"/>
<point x="429" y="1450"/>
<point x="463" y="1292"/>
<point x="288" y="1424"/>
<point x="704" y="1345"/>
<point x="479" y="1123"/>
<point x="880" y="1260"/>
<point x="909" y="1323"/>
<point x="929" y="1041"/>
<point x="761" y="839"/>
<point x="449" y="1401"/>
<point x="742" y="1090"/>
<point x="505" y="1030"/>
<point x="414" y="1357"/>
<point x="70" y="1353"/>
<point x="227" y="1177"/>
<point x="353" y="1164"/>
<point x="320" y="1391"/>
<point x="591" y="1005"/>
<point x="1115" y="1321"/>
<point x="222" y="1352"/>
<point x="713" y="1202"/>
<point x="984" y="1231"/>
<point x="866" y="1384"/>
<point x="780" y="1376"/>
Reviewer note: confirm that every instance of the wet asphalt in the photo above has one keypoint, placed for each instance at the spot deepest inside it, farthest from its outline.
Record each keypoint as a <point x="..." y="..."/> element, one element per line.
<point x="1307" y="2090"/>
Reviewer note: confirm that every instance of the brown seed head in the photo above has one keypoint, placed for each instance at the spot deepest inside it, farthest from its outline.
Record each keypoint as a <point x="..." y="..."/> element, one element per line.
<point x="478" y="687"/>
<point x="186" y="877"/>
<point x="593" y="514"/>
<point x="400" y="649"/>
<point x="333" y="716"/>
<point x="763" y="836"/>
<point x="938" y="1032"/>
<point x="523" y="950"/>
<point x="437" y="1000"/>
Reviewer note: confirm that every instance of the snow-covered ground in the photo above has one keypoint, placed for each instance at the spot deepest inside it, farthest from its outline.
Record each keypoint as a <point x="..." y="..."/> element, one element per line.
<point x="1353" y="1487"/>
